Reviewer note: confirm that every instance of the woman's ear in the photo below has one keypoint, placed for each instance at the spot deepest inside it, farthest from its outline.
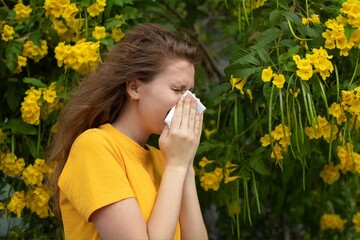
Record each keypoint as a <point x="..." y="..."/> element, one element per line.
<point x="132" y="88"/>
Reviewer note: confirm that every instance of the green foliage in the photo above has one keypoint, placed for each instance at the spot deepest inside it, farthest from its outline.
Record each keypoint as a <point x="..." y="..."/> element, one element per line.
<point x="265" y="143"/>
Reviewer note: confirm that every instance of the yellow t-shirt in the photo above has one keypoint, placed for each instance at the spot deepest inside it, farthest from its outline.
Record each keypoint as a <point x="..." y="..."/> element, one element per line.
<point x="105" y="166"/>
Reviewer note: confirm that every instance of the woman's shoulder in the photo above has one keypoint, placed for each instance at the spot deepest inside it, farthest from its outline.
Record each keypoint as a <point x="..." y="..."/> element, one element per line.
<point x="93" y="136"/>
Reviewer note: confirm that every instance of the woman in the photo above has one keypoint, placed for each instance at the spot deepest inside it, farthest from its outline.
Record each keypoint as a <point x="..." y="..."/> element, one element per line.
<point x="109" y="183"/>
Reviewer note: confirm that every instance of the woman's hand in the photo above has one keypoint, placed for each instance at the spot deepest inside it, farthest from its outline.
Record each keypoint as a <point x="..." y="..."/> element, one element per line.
<point x="180" y="141"/>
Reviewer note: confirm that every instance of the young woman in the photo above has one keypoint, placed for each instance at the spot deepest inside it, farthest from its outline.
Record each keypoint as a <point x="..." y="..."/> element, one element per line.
<point x="109" y="183"/>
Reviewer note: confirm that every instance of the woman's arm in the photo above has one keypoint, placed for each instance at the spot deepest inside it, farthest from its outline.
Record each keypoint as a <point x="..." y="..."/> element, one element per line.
<point x="191" y="220"/>
<point x="123" y="219"/>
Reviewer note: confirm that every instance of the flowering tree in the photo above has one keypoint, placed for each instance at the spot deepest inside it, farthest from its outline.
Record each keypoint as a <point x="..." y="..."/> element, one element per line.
<point x="284" y="144"/>
<point x="280" y="150"/>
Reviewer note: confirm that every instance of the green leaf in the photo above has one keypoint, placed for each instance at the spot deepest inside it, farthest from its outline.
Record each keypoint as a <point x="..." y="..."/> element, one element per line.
<point x="12" y="51"/>
<point x="34" y="81"/>
<point x="114" y="23"/>
<point x="109" y="42"/>
<point x="130" y="13"/>
<point x="258" y="165"/>
<point x="267" y="37"/>
<point x="289" y="54"/>
<point x="263" y="54"/>
<point x="248" y="59"/>
<point x="120" y="3"/>
<point x="239" y="70"/>
<point x="35" y="37"/>
<point x="19" y="127"/>
<point x="13" y="96"/>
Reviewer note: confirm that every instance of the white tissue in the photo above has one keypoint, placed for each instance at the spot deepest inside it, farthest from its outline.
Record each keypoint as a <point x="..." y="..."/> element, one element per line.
<point x="200" y="107"/>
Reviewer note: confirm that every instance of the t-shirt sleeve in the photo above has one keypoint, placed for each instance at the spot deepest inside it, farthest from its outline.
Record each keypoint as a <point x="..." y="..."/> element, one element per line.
<point x="94" y="175"/>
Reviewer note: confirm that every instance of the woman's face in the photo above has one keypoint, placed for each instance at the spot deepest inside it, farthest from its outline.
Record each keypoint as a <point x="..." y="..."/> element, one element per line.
<point x="157" y="97"/>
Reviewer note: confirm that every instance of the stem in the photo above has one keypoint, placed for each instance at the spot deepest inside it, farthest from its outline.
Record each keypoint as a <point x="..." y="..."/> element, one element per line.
<point x="337" y="84"/>
<point x="355" y="69"/>
<point x="247" y="201"/>
<point x="236" y="117"/>
<point x="256" y="192"/>
<point x="38" y="140"/>
<point x="307" y="8"/>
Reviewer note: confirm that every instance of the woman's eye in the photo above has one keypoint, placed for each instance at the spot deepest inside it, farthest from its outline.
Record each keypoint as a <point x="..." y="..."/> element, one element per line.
<point x="177" y="90"/>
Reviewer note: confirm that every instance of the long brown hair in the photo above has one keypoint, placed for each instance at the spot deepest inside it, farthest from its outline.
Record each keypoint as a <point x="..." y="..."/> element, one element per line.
<point x="99" y="98"/>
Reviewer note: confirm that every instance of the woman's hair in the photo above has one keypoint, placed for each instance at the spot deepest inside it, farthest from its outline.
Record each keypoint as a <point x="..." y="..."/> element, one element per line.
<point x="99" y="98"/>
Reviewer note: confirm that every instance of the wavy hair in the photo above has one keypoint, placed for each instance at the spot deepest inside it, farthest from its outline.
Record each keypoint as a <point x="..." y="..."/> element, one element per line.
<point x="100" y="96"/>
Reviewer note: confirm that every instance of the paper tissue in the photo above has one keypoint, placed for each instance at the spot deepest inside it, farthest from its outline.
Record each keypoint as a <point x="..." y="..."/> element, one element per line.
<point x="200" y="107"/>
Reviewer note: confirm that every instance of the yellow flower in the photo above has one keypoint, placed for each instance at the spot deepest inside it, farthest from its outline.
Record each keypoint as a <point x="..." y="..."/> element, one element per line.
<point x="228" y="169"/>
<point x="55" y="8"/>
<point x="305" y="21"/>
<point x="349" y="160"/>
<point x="330" y="174"/>
<point x="33" y="174"/>
<point x="37" y="200"/>
<point x="211" y="180"/>
<point x="99" y="33"/>
<point x="241" y="84"/>
<point x="295" y="94"/>
<point x="267" y="74"/>
<point x="315" y="19"/>
<point x="83" y="57"/>
<point x="276" y="153"/>
<point x="233" y="209"/>
<point x="234" y="81"/>
<point x="22" y="62"/>
<point x="2" y="206"/>
<point x="70" y="12"/>
<point x="22" y="11"/>
<point x="117" y="34"/>
<point x="279" y="80"/>
<point x="49" y="95"/>
<point x="204" y="161"/>
<point x="305" y="74"/>
<point x="95" y="9"/>
<point x="332" y="221"/>
<point x="209" y="133"/>
<point x="249" y="93"/>
<point x="34" y="52"/>
<point x="30" y="107"/>
<point x="8" y="33"/>
<point x="17" y="203"/>
<point x="356" y="221"/>
<point x="265" y="140"/>
<point x="355" y="106"/>
<point x="11" y="165"/>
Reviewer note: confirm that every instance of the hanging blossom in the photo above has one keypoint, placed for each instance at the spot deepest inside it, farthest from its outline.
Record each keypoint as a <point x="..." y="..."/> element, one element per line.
<point x="11" y="165"/>
<point x="32" y="51"/>
<point x="336" y="35"/>
<point x="39" y="103"/>
<point x="8" y="33"/>
<point x="280" y="136"/>
<point x="96" y="8"/>
<point x="356" y="222"/>
<point x="317" y="62"/>
<point x="22" y="11"/>
<point x="267" y="75"/>
<point x="330" y="173"/>
<point x="322" y="129"/>
<point x="33" y="174"/>
<point x="37" y="200"/>
<point x="17" y="203"/>
<point x="332" y="221"/>
<point x="83" y="57"/>
<point x="212" y="179"/>
<point x="314" y="19"/>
